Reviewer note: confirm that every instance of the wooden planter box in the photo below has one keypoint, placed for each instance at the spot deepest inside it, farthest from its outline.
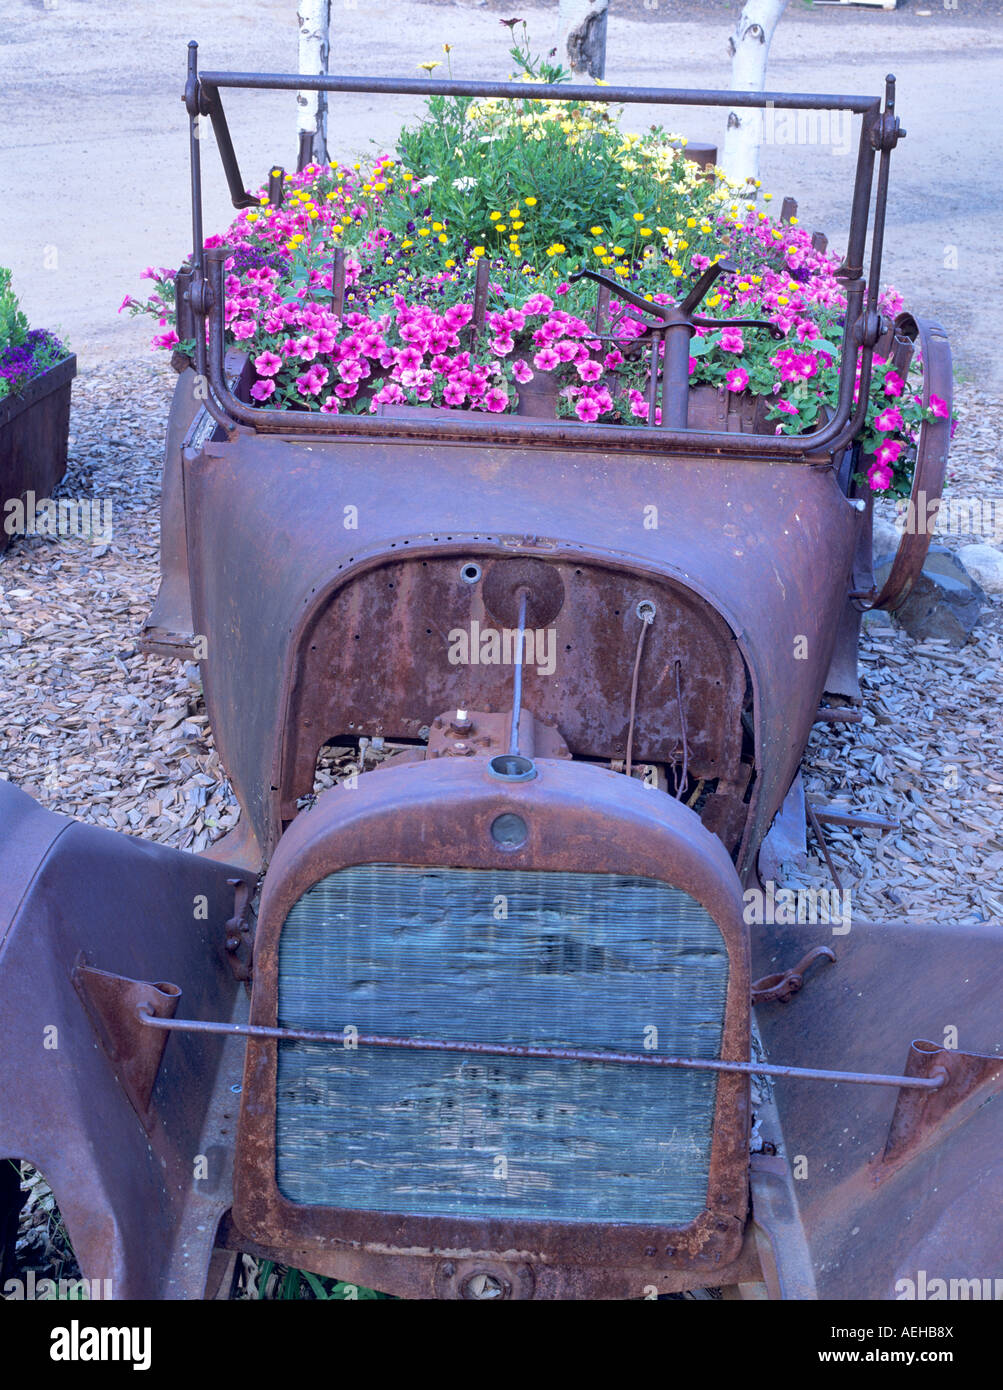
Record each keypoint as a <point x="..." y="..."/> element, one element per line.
<point x="34" y="432"/>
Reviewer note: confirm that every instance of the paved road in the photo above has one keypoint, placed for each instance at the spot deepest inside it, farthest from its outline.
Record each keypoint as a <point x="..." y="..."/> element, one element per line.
<point x="92" y="131"/>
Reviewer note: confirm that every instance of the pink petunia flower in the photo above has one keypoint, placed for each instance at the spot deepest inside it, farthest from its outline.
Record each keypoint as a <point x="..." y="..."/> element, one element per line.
<point x="267" y="363"/>
<point x="589" y="370"/>
<point x="894" y="384"/>
<point x="521" y="370"/>
<point x="737" y="379"/>
<point x="888" y="451"/>
<point x="889" y="419"/>
<point x="496" y="399"/>
<point x="261" y="390"/>
<point x="879" y="477"/>
<point x="939" y="407"/>
<point x="546" y="359"/>
<point x="732" y="340"/>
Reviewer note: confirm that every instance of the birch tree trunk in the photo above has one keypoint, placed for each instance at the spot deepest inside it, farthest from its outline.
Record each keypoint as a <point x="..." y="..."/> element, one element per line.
<point x="749" y="47"/>
<point x="581" y="44"/>
<point x="315" y="45"/>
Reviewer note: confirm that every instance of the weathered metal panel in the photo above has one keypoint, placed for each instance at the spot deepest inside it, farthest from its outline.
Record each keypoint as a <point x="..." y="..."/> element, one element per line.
<point x="277" y="527"/>
<point x="134" y="1206"/>
<point x="871" y="1224"/>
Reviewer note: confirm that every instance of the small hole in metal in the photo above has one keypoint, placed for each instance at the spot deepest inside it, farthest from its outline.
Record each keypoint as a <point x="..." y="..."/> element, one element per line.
<point x="509" y="830"/>
<point x="646" y="610"/>
<point x="470" y="573"/>
<point x="512" y="767"/>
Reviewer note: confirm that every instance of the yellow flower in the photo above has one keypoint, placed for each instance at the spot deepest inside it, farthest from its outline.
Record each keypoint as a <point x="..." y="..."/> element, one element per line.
<point x="436" y="226"/>
<point x="621" y="270"/>
<point x="596" y="231"/>
<point x="794" y="221"/>
<point x="691" y="222"/>
<point x="556" y="249"/>
<point x="743" y="284"/>
<point x="513" y="212"/>
<point x="443" y="238"/>
<point x="500" y="227"/>
<point x="638" y="216"/>
<point x="782" y="299"/>
<point x="423" y="231"/>
<point x="767" y="197"/>
<point x="531" y="202"/>
<point x="619" y="251"/>
<point x="478" y="251"/>
<point x="428" y="67"/>
<point x="252" y="217"/>
<point x="450" y="264"/>
<point x="494" y="216"/>
<point x="406" y="244"/>
<point x="644" y="231"/>
<point x="599" y="250"/>
<point x="517" y="225"/>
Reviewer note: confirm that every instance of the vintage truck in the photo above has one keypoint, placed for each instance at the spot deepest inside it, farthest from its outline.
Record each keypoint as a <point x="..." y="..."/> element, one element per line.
<point x="499" y="1023"/>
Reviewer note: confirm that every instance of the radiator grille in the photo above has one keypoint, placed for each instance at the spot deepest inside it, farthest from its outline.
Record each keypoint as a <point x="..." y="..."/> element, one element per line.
<point x="560" y="959"/>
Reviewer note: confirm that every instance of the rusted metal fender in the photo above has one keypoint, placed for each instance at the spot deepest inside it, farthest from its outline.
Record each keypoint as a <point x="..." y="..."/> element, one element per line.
<point x="931" y="460"/>
<point x="128" y="1187"/>
<point x="277" y="527"/>
<point x="874" y="1220"/>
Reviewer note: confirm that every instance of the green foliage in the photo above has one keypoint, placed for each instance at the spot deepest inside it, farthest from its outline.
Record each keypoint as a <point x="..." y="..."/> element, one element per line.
<point x="13" y="322"/>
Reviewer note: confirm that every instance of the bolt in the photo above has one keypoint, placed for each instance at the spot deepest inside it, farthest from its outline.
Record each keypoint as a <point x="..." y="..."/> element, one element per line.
<point x="650" y="1250"/>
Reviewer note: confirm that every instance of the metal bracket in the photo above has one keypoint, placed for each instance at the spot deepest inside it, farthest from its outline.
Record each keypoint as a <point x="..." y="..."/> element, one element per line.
<point x="781" y="987"/>
<point x="239" y="936"/>
<point x="113" y="1004"/>
<point x="918" y="1116"/>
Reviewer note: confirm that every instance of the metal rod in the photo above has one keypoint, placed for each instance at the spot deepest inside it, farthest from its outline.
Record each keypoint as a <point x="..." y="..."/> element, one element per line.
<point x="880" y="207"/>
<point x="513" y="741"/>
<point x="556" y="1054"/>
<point x="835" y="715"/>
<point x="656" y="96"/>
<point x="823" y="845"/>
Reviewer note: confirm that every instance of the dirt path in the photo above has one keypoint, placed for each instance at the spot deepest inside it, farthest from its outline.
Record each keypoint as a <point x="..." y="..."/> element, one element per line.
<point x="93" y="133"/>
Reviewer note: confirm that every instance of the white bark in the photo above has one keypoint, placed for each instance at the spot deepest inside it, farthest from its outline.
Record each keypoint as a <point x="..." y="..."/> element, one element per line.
<point x="749" y="47"/>
<point x="315" y="45"/>
<point x="581" y="43"/>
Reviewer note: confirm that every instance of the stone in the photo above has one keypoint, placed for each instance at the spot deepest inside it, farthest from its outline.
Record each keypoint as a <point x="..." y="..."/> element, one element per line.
<point x="886" y="538"/>
<point x="945" y="602"/>
<point x="985" y="564"/>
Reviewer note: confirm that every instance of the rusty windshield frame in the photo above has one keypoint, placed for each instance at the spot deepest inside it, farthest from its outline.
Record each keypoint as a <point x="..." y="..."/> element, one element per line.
<point x="880" y="132"/>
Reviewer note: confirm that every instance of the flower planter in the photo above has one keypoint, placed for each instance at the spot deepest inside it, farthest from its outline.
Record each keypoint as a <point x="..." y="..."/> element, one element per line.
<point x="34" y="433"/>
